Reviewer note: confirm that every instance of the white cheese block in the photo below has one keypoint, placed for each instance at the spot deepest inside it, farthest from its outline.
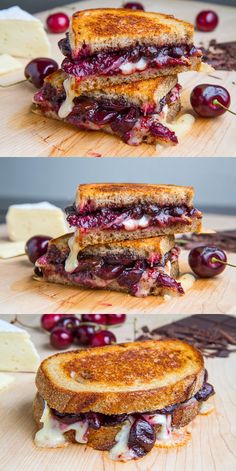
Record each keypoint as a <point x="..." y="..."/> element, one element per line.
<point x="17" y="352"/>
<point x="5" y="381"/>
<point x="9" y="64"/>
<point x="11" y="249"/>
<point x="22" y="35"/>
<point x="27" y="220"/>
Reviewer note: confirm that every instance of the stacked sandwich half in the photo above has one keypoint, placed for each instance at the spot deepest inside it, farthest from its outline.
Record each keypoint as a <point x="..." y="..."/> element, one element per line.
<point x="123" y="239"/>
<point x="119" y="74"/>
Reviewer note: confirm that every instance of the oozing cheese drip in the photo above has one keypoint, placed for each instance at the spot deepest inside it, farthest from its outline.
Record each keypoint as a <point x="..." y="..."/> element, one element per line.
<point x="68" y="104"/>
<point x="51" y="435"/>
<point x="72" y="259"/>
<point x="120" y="451"/>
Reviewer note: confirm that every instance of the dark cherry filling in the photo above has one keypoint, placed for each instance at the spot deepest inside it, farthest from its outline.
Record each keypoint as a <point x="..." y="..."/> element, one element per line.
<point x="109" y="63"/>
<point x="125" y="269"/>
<point x="114" y="218"/>
<point x="117" y="113"/>
<point x="142" y="435"/>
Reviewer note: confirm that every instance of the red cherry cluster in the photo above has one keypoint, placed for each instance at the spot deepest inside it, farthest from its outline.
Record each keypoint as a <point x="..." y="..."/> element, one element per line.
<point x="90" y="330"/>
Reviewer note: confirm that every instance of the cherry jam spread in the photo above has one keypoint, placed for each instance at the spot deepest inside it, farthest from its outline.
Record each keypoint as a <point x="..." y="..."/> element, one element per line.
<point x="124" y="119"/>
<point x="142" y="434"/>
<point x="125" y="269"/>
<point x="114" y="218"/>
<point x="109" y="63"/>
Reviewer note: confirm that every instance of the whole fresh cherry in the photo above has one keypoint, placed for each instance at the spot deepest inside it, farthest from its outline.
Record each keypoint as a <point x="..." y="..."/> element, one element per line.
<point x="69" y="322"/>
<point x="61" y="338"/>
<point x="96" y="318"/>
<point x="114" y="319"/>
<point x="102" y="338"/>
<point x="83" y="334"/>
<point x="57" y="23"/>
<point x="133" y="6"/>
<point x="36" y="247"/>
<point x="209" y="100"/>
<point x="207" y="20"/>
<point x="37" y="69"/>
<point x="48" y="321"/>
<point x="207" y="262"/>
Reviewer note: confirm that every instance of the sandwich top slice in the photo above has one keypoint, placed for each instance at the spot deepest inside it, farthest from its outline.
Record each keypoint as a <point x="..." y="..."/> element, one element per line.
<point x="123" y="398"/>
<point x="109" y="46"/>
<point x="121" y="211"/>
<point x="136" y="112"/>
<point x="140" y="267"/>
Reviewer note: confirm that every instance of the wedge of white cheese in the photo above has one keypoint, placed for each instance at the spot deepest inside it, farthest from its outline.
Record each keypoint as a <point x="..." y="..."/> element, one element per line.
<point x="9" y="64"/>
<point x="11" y="249"/>
<point x="17" y="351"/>
<point x="22" y="35"/>
<point x="27" y="220"/>
<point x="5" y="381"/>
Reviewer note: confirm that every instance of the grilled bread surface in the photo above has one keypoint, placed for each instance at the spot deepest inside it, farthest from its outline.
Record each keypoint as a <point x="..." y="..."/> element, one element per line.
<point x="114" y="29"/>
<point x="99" y="82"/>
<point x="104" y="438"/>
<point x="139" y="93"/>
<point x="118" y="195"/>
<point x="125" y="378"/>
<point x="98" y="236"/>
<point x="140" y="248"/>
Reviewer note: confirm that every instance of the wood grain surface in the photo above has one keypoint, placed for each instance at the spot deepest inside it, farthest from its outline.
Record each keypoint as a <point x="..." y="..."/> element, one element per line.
<point x="19" y="292"/>
<point x="213" y="444"/>
<point x="25" y="134"/>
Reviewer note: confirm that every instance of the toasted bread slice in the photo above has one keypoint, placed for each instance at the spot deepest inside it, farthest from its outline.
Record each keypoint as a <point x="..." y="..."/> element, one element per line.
<point x="60" y="263"/>
<point x="101" y="82"/>
<point x="141" y="248"/>
<point x="93" y="31"/>
<point x="97" y="236"/>
<point x="125" y="378"/>
<point x="104" y="438"/>
<point x="118" y="195"/>
<point x="144" y="92"/>
<point x="156" y="103"/>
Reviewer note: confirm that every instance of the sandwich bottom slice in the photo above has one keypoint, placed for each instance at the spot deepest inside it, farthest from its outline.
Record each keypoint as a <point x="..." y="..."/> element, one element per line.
<point x="138" y="267"/>
<point x="123" y="398"/>
<point x="136" y="112"/>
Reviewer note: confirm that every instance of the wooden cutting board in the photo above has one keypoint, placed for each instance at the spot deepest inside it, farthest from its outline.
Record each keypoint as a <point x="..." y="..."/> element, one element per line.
<point x="19" y="292"/>
<point x="212" y="447"/>
<point x="25" y="134"/>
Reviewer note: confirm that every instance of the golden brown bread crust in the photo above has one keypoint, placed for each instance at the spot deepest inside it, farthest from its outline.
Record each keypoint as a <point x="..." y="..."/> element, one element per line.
<point x="138" y="93"/>
<point x="141" y="247"/>
<point x="139" y="376"/>
<point x="117" y="28"/>
<point x="104" y="438"/>
<point x="102" y="82"/>
<point x="103" y="237"/>
<point x="126" y="194"/>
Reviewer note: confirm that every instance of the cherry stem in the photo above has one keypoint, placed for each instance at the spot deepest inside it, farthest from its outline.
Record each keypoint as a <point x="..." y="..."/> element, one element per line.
<point x="216" y="102"/>
<point x="214" y="259"/>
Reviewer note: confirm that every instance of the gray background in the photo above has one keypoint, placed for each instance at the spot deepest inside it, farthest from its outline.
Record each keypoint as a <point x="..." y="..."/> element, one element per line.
<point x="55" y="180"/>
<point x="35" y="6"/>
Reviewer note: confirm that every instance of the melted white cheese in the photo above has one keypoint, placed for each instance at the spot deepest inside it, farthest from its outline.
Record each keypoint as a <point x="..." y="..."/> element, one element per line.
<point x="72" y="259"/>
<point x="51" y="435"/>
<point x="120" y="451"/>
<point x="131" y="67"/>
<point x="182" y="125"/>
<point x="206" y="408"/>
<point x="68" y="104"/>
<point x="133" y="224"/>
<point x="164" y="421"/>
